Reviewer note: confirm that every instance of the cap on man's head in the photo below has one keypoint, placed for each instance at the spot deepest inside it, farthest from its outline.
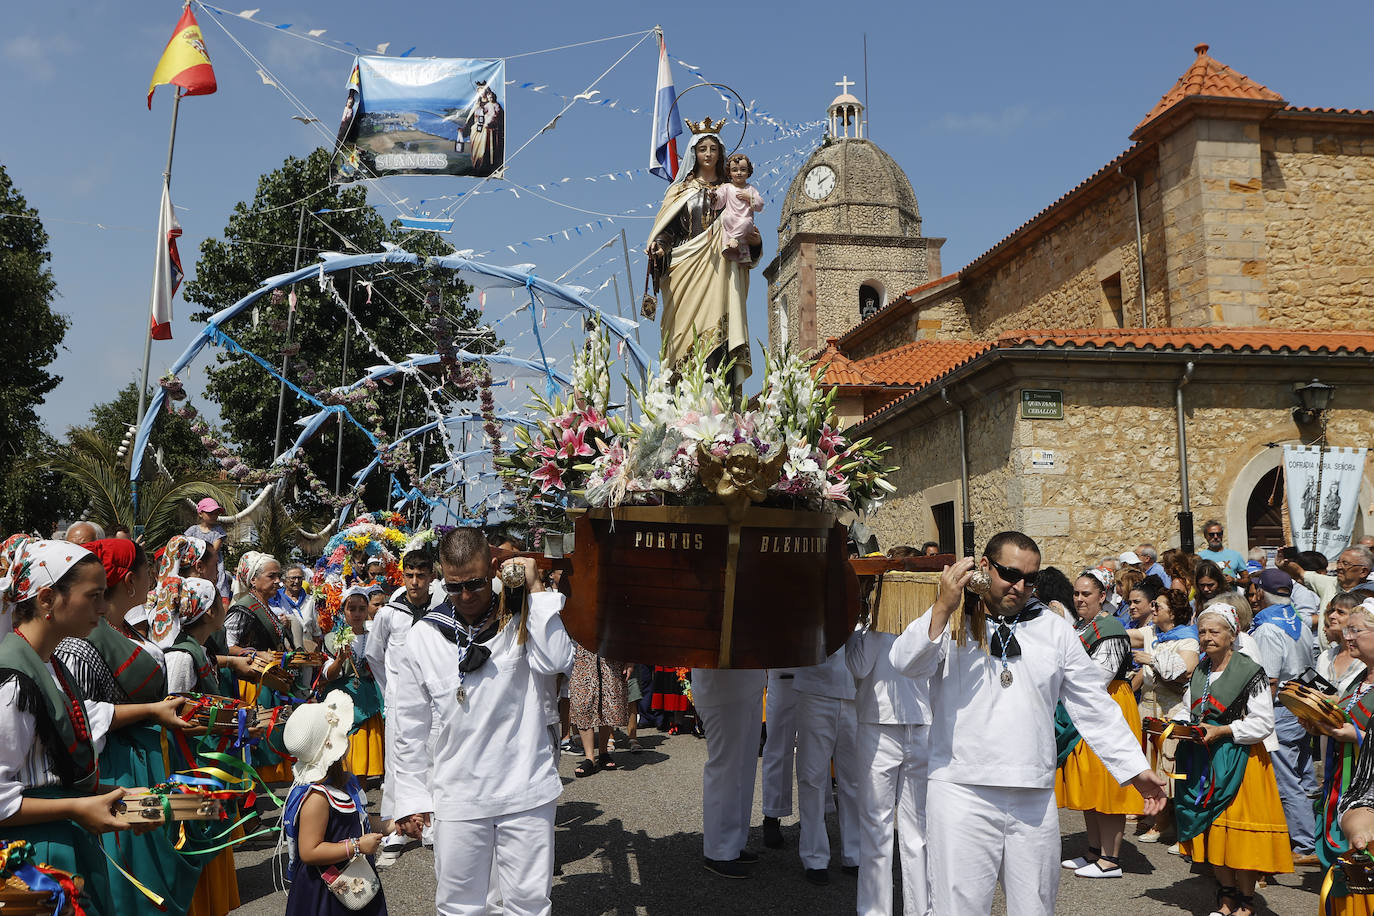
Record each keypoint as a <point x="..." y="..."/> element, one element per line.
<point x="1128" y="557"/>
<point x="1254" y="565"/>
<point x="1275" y="581"/>
<point x="209" y="504"/>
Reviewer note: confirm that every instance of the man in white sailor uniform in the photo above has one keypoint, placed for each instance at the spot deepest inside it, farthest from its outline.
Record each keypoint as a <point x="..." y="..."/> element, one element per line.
<point x="828" y="726"/>
<point x="730" y="703"/>
<point x="480" y="674"/>
<point x="386" y="639"/>
<point x="779" y="753"/>
<point x="994" y="684"/>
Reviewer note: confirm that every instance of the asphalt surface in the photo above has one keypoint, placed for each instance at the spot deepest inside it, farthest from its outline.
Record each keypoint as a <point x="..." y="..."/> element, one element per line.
<point x="629" y="842"/>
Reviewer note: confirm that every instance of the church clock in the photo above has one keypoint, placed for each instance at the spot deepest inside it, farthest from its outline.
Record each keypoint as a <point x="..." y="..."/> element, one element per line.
<point x="820" y="181"/>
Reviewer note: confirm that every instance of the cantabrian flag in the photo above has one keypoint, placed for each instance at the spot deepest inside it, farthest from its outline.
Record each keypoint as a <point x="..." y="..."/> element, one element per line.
<point x="185" y="62"/>
<point x="167" y="271"/>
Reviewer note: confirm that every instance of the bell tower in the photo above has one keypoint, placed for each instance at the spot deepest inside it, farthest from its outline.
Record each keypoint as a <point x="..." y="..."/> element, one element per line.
<point x="849" y="235"/>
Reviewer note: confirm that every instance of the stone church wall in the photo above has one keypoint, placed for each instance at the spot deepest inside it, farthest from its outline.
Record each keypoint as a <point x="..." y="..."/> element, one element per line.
<point x="1319" y="239"/>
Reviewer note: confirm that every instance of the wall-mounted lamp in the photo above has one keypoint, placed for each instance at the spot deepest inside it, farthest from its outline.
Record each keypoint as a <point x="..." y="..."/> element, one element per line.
<point x="1314" y="399"/>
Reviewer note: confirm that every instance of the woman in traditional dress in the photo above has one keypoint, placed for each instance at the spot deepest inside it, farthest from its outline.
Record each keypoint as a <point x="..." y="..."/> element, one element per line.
<point x="1338" y="662"/>
<point x="1082" y="783"/>
<point x="349" y="672"/>
<point x="114" y="664"/>
<point x="704" y="292"/>
<point x="48" y="729"/>
<point x="597" y="703"/>
<point x="1227" y="807"/>
<point x="251" y="627"/>
<point x="1167" y="652"/>
<point x="1344" y="746"/>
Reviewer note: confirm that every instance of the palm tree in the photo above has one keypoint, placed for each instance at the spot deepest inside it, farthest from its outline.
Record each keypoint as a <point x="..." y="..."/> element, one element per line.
<point x="103" y="476"/>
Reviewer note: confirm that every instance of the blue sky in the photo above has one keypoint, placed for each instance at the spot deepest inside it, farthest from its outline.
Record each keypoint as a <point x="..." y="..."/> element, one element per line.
<point x="993" y="110"/>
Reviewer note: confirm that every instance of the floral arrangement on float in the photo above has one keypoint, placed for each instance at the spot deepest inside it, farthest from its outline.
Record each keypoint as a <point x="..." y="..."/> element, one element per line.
<point x="692" y="445"/>
<point x="375" y="535"/>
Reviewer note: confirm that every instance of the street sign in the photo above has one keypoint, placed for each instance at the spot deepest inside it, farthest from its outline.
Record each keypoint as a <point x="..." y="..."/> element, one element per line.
<point x="1042" y="404"/>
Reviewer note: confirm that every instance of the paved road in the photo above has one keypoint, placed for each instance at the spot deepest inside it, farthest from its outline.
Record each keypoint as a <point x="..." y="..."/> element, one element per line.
<point x="629" y="842"/>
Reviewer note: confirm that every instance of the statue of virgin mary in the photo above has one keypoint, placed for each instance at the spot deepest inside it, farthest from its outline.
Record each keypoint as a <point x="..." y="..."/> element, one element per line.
<point x="704" y="293"/>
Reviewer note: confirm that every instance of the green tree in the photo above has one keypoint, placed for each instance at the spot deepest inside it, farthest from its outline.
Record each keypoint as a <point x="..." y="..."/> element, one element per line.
<point x="259" y="242"/>
<point x="181" y="448"/>
<point x="35" y="331"/>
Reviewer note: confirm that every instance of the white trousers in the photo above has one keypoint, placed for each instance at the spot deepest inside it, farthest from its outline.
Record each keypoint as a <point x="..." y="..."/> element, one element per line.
<point x="386" y="807"/>
<point x="780" y="749"/>
<point x="978" y="835"/>
<point x="892" y="761"/>
<point x="727" y="779"/>
<point x="829" y="727"/>
<point x="522" y="847"/>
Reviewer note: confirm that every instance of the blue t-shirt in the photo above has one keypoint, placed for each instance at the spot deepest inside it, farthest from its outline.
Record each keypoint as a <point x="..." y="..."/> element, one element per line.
<point x="1230" y="561"/>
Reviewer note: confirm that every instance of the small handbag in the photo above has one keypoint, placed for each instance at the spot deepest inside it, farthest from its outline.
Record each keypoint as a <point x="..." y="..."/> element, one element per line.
<point x="355" y="884"/>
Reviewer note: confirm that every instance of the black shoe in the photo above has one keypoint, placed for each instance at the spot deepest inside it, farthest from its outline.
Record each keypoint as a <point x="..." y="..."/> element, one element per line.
<point x="726" y="869"/>
<point x="818" y="876"/>
<point x="747" y="857"/>
<point x="851" y="870"/>
<point x="772" y="833"/>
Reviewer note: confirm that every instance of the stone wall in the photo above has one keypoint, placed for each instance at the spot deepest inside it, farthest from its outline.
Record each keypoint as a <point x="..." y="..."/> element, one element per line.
<point x="1319" y="229"/>
<point x="938" y="318"/>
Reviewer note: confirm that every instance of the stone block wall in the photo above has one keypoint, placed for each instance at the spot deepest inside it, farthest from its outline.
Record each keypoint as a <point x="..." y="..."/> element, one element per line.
<point x="940" y="318"/>
<point x="1319" y="229"/>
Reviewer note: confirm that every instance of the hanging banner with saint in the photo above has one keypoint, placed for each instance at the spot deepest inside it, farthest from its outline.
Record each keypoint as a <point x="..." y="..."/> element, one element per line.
<point x="418" y="116"/>
<point x="1323" y="495"/>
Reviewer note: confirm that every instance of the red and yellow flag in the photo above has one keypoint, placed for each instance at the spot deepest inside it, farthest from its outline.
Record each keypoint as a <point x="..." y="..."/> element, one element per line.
<point x="185" y="62"/>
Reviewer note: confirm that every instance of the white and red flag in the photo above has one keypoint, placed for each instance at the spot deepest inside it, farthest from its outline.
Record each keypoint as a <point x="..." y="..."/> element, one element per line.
<point x="167" y="272"/>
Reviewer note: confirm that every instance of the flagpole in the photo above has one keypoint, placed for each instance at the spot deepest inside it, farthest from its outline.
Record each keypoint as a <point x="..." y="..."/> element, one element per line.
<point x="152" y="296"/>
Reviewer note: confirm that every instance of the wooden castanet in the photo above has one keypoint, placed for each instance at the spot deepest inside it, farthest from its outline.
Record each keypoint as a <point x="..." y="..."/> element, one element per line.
<point x="141" y="806"/>
<point x="901" y="597"/>
<point x="202" y="709"/>
<point x="268" y="666"/>
<point x="302" y="659"/>
<point x="657" y="585"/>
<point x="1358" y="868"/>
<point x="1181" y="730"/>
<point x="1310" y="706"/>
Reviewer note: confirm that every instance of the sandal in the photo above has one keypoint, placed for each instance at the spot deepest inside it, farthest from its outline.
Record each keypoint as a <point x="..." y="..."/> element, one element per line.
<point x="607" y="762"/>
<point x="1222" y="894"/>
<point x="585" y="768"/>
<point x="1246" y="904"/>
<point x="635" y="746"/>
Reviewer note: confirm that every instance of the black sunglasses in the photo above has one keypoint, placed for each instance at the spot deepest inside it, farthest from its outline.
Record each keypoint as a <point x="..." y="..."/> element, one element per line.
<point x="1013" y="576"/>
<point x="471" y="585"/>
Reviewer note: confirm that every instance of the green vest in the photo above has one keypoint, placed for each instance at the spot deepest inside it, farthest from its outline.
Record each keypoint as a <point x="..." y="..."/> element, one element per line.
<point x="1212" y="775"/>
<point x="269" y="633"/>
<point x="207" y="674"/>
<point x="54" y="712"/>
<point x="1100" y="629"/>
<point x="133" y="667"/>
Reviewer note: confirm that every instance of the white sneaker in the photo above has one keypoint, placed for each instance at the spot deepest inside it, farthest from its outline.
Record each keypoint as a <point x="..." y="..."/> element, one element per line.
<point x="1095" y="870"/>
<point x="427" y="836"/>
<point x="386" y="857"/>
<point x="1075" y="863"/>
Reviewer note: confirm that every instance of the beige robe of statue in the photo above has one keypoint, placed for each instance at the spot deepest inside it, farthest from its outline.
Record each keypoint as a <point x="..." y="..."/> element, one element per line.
<point x="704" y="293"/>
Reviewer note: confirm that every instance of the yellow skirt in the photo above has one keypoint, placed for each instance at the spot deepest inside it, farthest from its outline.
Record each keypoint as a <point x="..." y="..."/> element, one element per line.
<point x="366" y="748"/>
<point x="248" y="692"/>
<point x="1351" y="905"/>
<point x="217" y="892"/>
<point x="1252" y="833"/>
<point x="1083" y="783"/>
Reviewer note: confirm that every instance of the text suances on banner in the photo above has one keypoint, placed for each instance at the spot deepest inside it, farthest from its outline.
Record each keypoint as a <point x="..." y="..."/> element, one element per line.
<point x="407" y="116"/>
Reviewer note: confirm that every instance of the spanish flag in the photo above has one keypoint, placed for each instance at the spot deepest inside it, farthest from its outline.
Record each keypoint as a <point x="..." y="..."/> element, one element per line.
<point x="184" y="62"/>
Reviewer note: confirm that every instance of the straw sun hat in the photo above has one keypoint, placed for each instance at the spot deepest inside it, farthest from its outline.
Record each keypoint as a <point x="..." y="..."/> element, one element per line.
<point x="317" y="735"/>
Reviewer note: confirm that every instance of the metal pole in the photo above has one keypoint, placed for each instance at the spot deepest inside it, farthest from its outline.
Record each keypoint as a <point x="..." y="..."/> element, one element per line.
<point x="290" y="323"/>
<point x="1185" y="518"/>
<point x="400" y="408"/>
<point x="866" y="112"/>
<point x="343" y="380"/>
<point x="148" y="331"/>
<point x="969" y="547"/>
<point x="629" y="281"/>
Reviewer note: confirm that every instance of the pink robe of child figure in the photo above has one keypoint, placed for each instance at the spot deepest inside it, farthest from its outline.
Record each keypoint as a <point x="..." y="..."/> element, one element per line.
<point x="740" y="204"/>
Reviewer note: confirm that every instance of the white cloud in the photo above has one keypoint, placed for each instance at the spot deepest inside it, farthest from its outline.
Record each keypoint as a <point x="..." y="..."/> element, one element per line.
<point x="992" y="124"/>
<point x="34" y="55"/>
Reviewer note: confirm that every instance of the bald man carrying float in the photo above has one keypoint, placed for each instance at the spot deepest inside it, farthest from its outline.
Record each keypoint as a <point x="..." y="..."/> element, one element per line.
<point x="994" y="684"/>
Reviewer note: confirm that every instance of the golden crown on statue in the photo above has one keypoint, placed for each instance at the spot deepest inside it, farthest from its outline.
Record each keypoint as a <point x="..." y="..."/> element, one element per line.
<point x="706" y="126"/>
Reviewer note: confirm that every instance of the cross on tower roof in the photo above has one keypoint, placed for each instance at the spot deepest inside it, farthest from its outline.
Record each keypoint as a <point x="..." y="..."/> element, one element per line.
<point x="844" y="83"/>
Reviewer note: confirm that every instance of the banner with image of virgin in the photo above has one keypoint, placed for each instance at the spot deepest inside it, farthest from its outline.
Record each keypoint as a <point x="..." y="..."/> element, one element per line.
<point x="422" y="116"/>
<point x="1323" y="495"/>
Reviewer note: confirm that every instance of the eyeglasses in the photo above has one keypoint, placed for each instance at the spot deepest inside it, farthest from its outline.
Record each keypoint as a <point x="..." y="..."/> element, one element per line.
<point x="1342" y="564"/>
<point x="1013" y="576"/>
<point x="1212" y="534"/>
<point x="1353" y="633"/>
<point x="473" y="586"/>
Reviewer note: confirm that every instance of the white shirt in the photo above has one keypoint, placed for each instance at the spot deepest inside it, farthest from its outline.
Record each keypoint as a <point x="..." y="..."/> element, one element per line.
<point x="1326" y="667"/>
<point x="831" y="678"/>
<point x="1258" y="722"/>
<point x="181" y="672"/>
<point x="1282" y="656"/>
<point x="388" y="632"/>
<point x="984" y="734"/>
<point x="881" y="694"/>
<point x="491" y="752"/>
<point x="24" y="764"/>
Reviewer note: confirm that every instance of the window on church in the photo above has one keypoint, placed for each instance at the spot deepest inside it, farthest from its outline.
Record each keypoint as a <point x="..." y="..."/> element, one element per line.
<point x="1111" y="313"/>
<point x="944" y="526"/>
<point x="870" y="299"/>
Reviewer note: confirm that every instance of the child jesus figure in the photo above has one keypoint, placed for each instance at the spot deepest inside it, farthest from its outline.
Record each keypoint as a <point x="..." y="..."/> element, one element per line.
<point x="740" y="201"/>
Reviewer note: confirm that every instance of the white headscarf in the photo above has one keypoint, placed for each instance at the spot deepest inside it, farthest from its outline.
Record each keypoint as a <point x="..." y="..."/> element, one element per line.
<point x="689" y="156"/>
<point x="35" y="565"/>
<point x="179" y="550"/>
<point x="1225" y="612"/>
<point x="177" y="603"/>
<point x="250" y="564"/>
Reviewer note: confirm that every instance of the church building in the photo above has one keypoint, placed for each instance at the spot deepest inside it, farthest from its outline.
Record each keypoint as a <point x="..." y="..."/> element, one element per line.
<point x="1127" y="363"/>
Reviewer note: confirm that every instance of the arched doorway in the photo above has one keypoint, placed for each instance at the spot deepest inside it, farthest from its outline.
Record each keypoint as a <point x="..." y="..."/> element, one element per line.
<point x="1253" y="488"/>
<point x="870" y="298"/>
<point x="1264" y="512"/>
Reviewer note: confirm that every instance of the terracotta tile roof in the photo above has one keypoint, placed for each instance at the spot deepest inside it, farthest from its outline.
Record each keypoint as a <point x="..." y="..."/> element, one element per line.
<point x="917" y="290"/>
<point x="1209" y="78"/>
<point x="1223" y="340"/>
<point x="840" y="369"/>
<point x="1300" y="109"/>
<point x="920" y="361"/>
